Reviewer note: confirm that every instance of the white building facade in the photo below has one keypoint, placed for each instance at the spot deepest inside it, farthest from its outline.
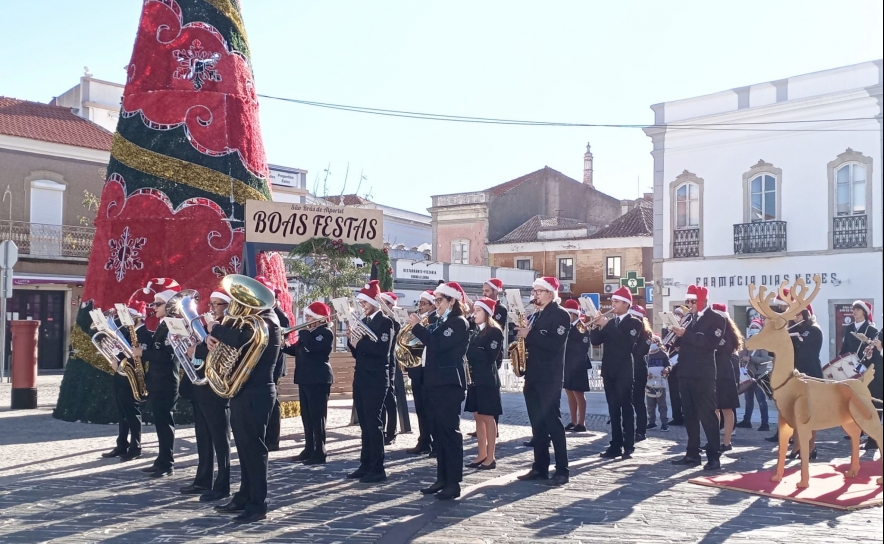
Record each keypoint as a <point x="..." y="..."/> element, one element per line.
<point x="799" y="194"/>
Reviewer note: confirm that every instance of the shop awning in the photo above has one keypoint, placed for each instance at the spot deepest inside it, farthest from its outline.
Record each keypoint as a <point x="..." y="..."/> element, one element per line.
<point x="40" y="279"/>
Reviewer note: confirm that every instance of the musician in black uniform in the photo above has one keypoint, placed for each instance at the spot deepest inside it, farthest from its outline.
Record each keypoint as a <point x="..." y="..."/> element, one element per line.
<point x="492" y="289"/>
<point x="863" y="324"/>
<point x="576" y="380"/>
<point x="483" y="391"/>
<point x="807" y="345"/>
<point x="640" y="372"/>
<point x="251" y="406"/>
<point x="619" y="335"/>
<point x="727" y="375"/>
<point x="162" y="379"/>
<point x="130" y="410"/>
<point x="677" y="417"/>
<point x="370" y="382"/>
<point x="444" y="384"/>
<point x="425" y="309"/>
<point x="545" y="339"/>
<point x="211" y="422"/>
<point x="274" y="427"/>
<point x="313" y="374"/>
<point x="396" y="389"/>
<point x="697" y="343"/>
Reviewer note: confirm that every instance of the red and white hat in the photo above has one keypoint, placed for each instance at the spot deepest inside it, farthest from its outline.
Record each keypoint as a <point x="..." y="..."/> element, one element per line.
<point x="370" y="293"/>
<point x="698" y="293"/>
<point x="623" y="294"/>
<point x="138" y="308"/>
<point x="162" y="288"/>
<point x="486" y="304"/>
<point x="220" y="295"/>
<point x="548" y="283"/>
<point x="318" y="310"/>
<point x="756" y="324"/>
<point x="451" y="289"/>
<point x="638" y="311"/>
<point x="571" y="306"/>
<point x="265" y="281"/>
<point x="721" y="310"/>
<point x="866" y="306"/>
<point x="390" y="298"/>
<point x="495" y="284"/>
<point x="429" y="296"/>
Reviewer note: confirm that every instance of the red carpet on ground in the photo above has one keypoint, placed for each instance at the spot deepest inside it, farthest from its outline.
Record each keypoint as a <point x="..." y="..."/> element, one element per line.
<point x="828" y="486"/>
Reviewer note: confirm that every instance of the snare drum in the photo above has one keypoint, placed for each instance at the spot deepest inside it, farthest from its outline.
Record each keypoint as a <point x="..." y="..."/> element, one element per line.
<point x="746" y="382"/>
<point x="843" y="368"/>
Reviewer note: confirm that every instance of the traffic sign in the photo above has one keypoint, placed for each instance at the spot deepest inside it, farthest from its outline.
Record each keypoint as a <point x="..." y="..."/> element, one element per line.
<point x="8" y="254"/>
<point x="649" y="295"/>
<point x="594" y="297"/>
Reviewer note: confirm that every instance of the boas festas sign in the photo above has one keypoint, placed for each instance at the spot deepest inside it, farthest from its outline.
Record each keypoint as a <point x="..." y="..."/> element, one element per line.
<point x="291" y="224"/>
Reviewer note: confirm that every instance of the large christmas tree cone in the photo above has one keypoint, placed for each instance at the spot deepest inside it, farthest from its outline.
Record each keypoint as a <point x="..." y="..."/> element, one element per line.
<point x="186" y="156"/>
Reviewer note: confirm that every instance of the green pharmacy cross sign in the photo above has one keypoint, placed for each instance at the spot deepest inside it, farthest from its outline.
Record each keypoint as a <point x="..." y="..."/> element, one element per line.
<point x="633" y="282"/>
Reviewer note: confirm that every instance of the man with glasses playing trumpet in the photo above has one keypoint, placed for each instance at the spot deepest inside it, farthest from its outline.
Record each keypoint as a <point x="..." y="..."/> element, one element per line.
<point x="426" y="310"/>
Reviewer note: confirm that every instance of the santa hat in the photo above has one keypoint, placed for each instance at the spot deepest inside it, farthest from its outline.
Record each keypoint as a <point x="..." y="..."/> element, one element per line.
<point x="390" y="298"/>
<point x="695" y="292"/>
<point x="162" y="288"/>
<point x="220" y="295"/>
<point x="429" y="296"/>
<point x="779" y="301"/>
<point x="317" y="310"/>
<point x="866" y="306"/>
<point x="756" y="323"/>
<point x="571" y="306"/>
<point x="370" y="293"/>
<point x="623" y="294"/>
<point x="450" y="289"/>
<point x="548" y="283"/>
<point x="137" y="309"/>
<point x="679" y="310"/>
<point x="263" y="280"/>
<point x="637" y="311"/>
<point x="495" y="284"/>
<point x="721" y="310"/>
<point x="487" y="304"/>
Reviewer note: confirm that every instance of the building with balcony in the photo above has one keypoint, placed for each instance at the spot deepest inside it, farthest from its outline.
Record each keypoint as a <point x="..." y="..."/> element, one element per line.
<point x="49" y="159"/>
<point x="786" y="184"/>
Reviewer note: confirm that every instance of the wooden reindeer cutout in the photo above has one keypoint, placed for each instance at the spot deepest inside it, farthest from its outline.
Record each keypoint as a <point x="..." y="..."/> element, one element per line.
<point x="807" y="404"/>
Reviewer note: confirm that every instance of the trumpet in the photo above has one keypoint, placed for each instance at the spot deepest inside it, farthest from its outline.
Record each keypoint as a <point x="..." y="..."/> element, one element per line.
<point x="594" y="325"/>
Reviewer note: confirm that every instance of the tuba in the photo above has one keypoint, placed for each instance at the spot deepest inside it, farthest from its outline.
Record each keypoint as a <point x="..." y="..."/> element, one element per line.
<point x="110" y="343"/>
<point x="183" y="306"/>
<point x="408" y="350"/>
<point x="227" y="368"/>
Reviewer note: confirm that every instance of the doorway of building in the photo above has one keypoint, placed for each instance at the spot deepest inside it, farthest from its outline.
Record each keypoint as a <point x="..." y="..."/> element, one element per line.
<point x="48" y="308"/>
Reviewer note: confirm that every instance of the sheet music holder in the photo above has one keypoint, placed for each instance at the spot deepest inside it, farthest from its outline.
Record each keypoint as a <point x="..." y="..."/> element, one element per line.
<point x="588" y="307"/>
<point x="99" y="320"/>
<point x="401" y="315"/>
<point x="669" y="320"/>
<point x="514" y="303"/>
<point x="123" y="315"/>
<point x="342" y="307"/>
<point x="176" y="326"/>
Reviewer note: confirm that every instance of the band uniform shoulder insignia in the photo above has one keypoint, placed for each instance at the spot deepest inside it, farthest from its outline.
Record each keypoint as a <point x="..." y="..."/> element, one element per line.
<point x="493" y="344"/>
<point x="805" y="334"/>
<point x="633" y="332"/>
<point x="718" y="333"/>
<point x="319" y="338"/>
<point x="497" y="317"/>
<point x="561" y="330"/>
<point x="448" y="332"/>
<point x="585" y="339"/>
<point x="385" y="337"/>
<point x="722" y="342"/>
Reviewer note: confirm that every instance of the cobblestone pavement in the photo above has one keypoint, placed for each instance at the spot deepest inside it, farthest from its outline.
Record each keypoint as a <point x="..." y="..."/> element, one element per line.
<point x="54" y="487"/>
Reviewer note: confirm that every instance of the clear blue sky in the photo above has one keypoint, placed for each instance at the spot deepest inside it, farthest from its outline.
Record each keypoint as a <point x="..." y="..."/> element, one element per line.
<point x="579" y="61"/>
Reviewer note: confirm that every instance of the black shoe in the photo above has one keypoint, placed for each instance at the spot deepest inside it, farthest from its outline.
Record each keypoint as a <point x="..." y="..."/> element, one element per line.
<point x="433" y="454"/>
<point x="726" y="447"/>
<point x="418" y="450"/>
<point x="150" y="470"/>
<point x="795" y="454"/>
<point x="529" y="444"/>
<point x="687" y="461"/>
<point x="677" y="423"/>
<point x="230" y="507"/>
<point x="611" y="453"/>
<point x="764" y="427"/>
<point x="627" y="453"/>
<point x="449" y="493"/>
<point x="389" y="441"/>
<point x="557" y="480"/>
<point x="116" y="452"/>
<point x="664" y="428"/>
<point x="303" y="456"/>
<point x="246" y="517"/>
<point x="212" y="496"/>
<point x="639" y="437"/>
<point x="651" y="426"/>
<point x="712" y="464"/>
<point x="358" y="473"/>
<point x="704" y="447"/>
<point x="437" y="486"/>
<point x="608" y="422"/>
<point x="129" y="455"/>
<point x="579" y="429"/>
<point x="162" y="472"/>
<point x="274" y="447"/>
<point x="193" y="490"/>
<point x="315" y="461"/>
<point x="490" y="466"/>
<point x="533" y="475"/>
<point x="774" y="438"/>
<point x="870" y="445"/>
<point x="475" y="464"/>
<point x="472" y="435"/>
<point x="569" y="427"/>
<point x="373" y="478"/>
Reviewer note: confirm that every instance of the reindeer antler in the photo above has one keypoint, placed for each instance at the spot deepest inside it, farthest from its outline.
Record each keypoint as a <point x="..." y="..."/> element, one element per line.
<point x="761" y="303"/>
<point x="796" y="300"/>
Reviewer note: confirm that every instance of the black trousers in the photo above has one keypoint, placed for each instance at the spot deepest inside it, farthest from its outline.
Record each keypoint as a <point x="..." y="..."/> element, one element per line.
<point x="543" y="401"/>
<point x="274" y="426"/>
<point x="369" y="402"/>
<point x="675" y="396"/>
<point x="249" y="416"/>
<point x="162" y="404"/>
<point x="698" y="403"/>
<point x="211" y="422"/>
<point x="424" y="440"/>
<point x="396" y="405"/>
<point x="314" y="412"/>
<point x="638" y="400"/>
<point x="130" y="416"/>
<point x="618" y="394"/>
<point x="444" y="403"/>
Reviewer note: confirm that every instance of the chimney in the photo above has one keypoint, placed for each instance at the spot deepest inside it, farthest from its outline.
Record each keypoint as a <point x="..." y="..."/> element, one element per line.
<point x="587" y="166"/>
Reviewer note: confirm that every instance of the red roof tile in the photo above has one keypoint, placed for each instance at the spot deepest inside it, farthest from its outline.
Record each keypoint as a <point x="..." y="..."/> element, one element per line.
<point x="46" y="123"/>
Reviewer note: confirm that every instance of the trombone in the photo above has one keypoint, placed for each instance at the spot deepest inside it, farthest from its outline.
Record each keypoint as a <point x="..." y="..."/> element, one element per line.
<point x="285" y="331"/>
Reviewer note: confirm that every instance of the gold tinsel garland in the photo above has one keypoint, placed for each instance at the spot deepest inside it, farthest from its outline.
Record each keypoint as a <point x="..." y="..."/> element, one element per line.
<point x="229" y="11"/>
<point x="289" y="408"/>
<point x="85" y="350"/>
<point x="183" y="172"/>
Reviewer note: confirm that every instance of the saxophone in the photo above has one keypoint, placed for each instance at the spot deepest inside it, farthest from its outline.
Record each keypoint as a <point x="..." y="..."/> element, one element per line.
<point x="135" y="372"/>
<point x="228" y="368"/>
<point x="519" y="352"/>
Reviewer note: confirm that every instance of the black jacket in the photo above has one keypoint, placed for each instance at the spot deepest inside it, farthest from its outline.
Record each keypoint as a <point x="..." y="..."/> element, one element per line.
<point x="391" y="368"/>
<point x="696" y="354"/>
<point x="546" y="345"/>
<point x="416" y="374"/>
<point x="808" y="348"/>
<point x="446" y="342"/>
<point x="619" y="341"/>
<point x="724" y="359"/>
<point x="281" y="369"/>
<point x="482" y="356"/>
<point x="373" y="358"/>
<point x="577" y="350"/>
<point x="162" y="375"/>
<point x="642" y="347"/>
<point x="851" y="343"/>
<point x="311" y="353"/>
<point x="262" y="376"/>
<point x="501" y="315"/>
<point x="203" y="394"/>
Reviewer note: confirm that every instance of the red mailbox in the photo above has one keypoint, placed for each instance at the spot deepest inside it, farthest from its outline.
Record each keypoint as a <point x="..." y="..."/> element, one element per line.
<point x="24" y="363"/>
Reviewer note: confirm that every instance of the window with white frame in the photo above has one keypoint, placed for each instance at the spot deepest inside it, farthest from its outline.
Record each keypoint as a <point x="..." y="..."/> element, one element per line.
<point x="612" y="267"/>
<point x="523" y="264"/>
<point x="566" y="269"/>
<point x="460" y="252"/>
<point x="850" y="189"/>
<point x="763" y="198"/>
<point x="687" y="206"/>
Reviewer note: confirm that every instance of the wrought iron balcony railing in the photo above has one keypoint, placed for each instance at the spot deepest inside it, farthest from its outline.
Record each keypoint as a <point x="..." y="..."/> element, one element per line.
<point x="48" y="241"/>
<point x="686" y="243"/>
<point x="760" y="237"/>
<point x="849" y="231"/>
